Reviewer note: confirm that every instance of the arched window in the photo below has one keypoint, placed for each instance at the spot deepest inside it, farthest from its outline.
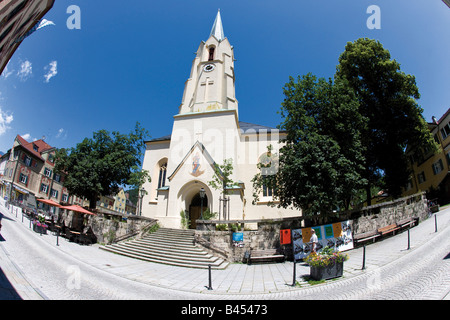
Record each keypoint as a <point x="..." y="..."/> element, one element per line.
<point x="162" y="175"/>
<point x="266" y="161"/>
<point x="211" y="54"/>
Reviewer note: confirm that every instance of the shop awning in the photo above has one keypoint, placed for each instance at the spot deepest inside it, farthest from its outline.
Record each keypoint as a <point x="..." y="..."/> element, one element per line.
<point x="50" y="202"/>
<point x="77" y="208"/>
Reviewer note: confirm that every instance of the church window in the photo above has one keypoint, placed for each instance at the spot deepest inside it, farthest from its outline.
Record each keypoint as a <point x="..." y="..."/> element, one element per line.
<point x="211" y="54"/>
<point x="162" y="175"/>
<point x="267" y="192"/>
<point x="267" y="169"/>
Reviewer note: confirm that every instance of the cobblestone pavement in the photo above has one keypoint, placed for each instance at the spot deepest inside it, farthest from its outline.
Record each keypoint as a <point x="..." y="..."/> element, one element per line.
<point x="34" y="267"/>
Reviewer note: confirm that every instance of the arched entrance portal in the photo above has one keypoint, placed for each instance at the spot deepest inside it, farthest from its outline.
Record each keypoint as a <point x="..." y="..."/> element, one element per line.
<point x="190" y="201"/>
<point x="197" y="206"/>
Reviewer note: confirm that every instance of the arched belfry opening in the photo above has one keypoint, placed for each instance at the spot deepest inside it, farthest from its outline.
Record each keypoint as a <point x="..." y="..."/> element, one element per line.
<point x="211" y="54"/>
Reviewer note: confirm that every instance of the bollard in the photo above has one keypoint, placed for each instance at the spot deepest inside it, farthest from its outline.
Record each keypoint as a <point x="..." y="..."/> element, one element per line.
<point x="295" y="270"/>
<point x="210" y="281"/>
<point x="364" y="258"/>
<point x="57" y="238"/>
<point x="435" y="223"/>
<point x="409" y="242"/>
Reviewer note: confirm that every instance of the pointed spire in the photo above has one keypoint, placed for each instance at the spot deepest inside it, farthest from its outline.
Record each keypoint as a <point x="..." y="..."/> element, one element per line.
<point x="217" y="29"/>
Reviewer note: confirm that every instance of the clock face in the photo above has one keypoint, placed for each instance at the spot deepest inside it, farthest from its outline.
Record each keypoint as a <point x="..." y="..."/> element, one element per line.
<point x="209" y="67"/>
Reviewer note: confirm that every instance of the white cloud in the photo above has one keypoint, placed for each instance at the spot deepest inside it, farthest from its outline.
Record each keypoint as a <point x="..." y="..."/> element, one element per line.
<point x="52" y="71"/>
<point x="6" y="73"/>
<point x="61" y="134"/>
<point x="5" y="120"/>
<point x="25" y="71"/>
<point x="26" y="136"/>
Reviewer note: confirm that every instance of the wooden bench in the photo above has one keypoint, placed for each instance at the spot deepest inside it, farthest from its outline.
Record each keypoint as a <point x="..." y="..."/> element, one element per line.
<point x="363" y="237"/>
<point x="388" y="229"/>
<point x="372" y="235"/>
<point x="265" y="255"/>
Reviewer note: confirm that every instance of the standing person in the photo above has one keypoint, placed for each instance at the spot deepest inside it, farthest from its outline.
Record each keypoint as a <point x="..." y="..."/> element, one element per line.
<point x="313" y="241"/>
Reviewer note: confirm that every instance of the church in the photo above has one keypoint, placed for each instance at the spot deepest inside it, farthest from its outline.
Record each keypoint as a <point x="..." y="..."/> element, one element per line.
<point x="207" y="132"/>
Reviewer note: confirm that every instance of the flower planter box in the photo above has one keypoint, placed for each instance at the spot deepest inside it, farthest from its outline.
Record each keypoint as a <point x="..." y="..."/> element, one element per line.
<point x="39" y="229"/>
<point x="328" y="272"/>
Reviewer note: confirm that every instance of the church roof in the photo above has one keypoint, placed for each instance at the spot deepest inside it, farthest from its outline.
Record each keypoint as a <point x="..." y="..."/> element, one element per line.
<point x="217" y="29"/>
<point x="246" y="127"/>
<point x="163" y="138"/>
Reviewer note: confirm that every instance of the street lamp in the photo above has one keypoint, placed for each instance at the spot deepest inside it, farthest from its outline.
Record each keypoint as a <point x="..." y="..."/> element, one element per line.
<point x="202" y="195"/>
<point x="142" y="194"/>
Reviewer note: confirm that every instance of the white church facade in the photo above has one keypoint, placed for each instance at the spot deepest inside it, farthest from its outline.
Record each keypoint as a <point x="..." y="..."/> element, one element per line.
<point x="206" y="131"/>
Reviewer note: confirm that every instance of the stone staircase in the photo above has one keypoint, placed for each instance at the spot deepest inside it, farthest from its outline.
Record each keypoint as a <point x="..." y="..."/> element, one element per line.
<point x="168" y="246"/>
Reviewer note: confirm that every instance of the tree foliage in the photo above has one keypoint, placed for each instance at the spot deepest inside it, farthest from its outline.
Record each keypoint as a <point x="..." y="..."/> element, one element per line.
<point x="387" y="99"/>
<point x="222" y="176"/>
<point x="100" y="165"/>
<point x="320" y="163"/>
<point x="347" y="135"/>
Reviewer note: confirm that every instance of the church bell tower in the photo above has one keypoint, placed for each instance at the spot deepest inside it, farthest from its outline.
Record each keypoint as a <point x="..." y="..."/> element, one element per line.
<point x="210" y="86"/>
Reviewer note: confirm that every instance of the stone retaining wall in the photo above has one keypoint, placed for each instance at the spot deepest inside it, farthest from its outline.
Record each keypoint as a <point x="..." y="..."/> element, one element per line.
<point x="266" y="233"/>
<point x="107" y="228"/>
<point x="377" y="216"/>
<point x="110" y="228"/>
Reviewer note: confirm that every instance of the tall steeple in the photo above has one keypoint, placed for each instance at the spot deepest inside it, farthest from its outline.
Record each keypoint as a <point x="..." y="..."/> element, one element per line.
<point x="210" y="86"/>
<point x="217" y="29"/>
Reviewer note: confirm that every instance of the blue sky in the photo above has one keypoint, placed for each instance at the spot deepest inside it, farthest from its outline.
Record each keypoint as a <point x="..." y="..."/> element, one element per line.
<point x="129" y="63"/>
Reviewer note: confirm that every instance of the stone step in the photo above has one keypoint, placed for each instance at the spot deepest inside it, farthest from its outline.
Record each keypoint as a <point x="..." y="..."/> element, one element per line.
<point x="218" y="264"/>
<point x="165" y="242"/>
<point x="168" y="246"/>
<point x="168" y="238"/>
<point x="163" y="254"/>
<point x="195" y="252"/>
<point x="161" y="245"/>
<point x="177" y="231"/>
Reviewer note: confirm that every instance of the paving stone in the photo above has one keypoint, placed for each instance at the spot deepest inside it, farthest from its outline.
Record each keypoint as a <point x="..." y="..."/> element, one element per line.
<point x="33" y="267"/>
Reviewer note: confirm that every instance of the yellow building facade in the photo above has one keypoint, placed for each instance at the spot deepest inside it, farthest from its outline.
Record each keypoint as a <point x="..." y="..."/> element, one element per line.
<point x="430" y="170"/>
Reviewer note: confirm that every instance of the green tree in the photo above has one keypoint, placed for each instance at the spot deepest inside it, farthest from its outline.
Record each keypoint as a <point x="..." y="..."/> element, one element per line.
<point x="387" y="100"/>
<point x="99" y="166"/>
<point x="222" y="179"/>
<point x="222" y="176"/>
<point x="136" y="181"/>
<point x="321" y="161"/>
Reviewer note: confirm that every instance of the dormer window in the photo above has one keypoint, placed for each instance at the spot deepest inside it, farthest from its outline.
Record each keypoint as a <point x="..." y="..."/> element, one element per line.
<point x="211" y="54"/>
<point x="35" y="147"/>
